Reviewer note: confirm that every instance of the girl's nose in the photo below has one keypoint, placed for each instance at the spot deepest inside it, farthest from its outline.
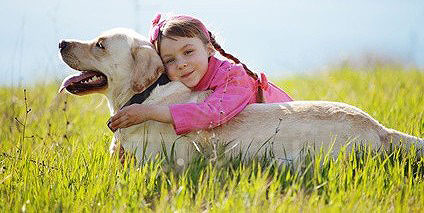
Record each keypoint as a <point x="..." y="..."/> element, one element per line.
<point x="182" y="65"/>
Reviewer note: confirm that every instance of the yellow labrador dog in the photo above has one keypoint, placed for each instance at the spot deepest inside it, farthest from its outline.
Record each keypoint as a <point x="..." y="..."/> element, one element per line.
<point x="124" y="66"/>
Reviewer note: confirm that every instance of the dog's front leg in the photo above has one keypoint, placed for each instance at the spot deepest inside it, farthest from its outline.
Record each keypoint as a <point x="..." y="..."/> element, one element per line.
<point x="115" y="148"/>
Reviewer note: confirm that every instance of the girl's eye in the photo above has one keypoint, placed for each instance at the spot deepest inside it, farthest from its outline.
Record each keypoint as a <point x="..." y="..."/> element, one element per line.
<point x="168" y="61"/>
<point x="99" y="44"/>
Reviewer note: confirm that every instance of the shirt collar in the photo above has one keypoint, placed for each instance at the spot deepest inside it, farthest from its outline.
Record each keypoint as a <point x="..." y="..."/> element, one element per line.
<point x="206" y="80"/>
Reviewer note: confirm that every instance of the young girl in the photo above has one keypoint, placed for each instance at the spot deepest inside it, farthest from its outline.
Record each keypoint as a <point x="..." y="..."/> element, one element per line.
<point x="187" y="50"/>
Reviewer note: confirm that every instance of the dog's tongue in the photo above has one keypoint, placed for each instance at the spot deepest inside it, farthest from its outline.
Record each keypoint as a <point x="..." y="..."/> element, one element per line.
<point x="75" y="78"/>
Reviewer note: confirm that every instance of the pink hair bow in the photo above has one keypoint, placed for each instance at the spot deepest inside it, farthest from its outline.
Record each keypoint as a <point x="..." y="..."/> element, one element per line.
<point x="155" y="28"/>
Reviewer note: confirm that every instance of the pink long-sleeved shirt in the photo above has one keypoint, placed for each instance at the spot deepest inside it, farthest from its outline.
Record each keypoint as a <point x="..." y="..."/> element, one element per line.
<point x="233" y="89"/>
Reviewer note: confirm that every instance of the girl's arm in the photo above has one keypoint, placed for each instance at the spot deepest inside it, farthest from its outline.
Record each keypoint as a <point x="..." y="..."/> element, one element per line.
<point x="139" y="113"/>
<point x="233" y="91"/>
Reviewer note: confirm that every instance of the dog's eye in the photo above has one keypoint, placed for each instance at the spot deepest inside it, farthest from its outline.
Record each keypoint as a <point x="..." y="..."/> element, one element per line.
<point x="188" y="52"/>
<point x="99" y="44"/>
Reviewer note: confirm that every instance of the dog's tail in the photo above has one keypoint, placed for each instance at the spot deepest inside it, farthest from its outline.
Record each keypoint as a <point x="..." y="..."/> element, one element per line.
<point x="397" y="138"/>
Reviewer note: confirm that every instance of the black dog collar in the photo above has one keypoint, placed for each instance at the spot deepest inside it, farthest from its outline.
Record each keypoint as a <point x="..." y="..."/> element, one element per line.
<point x="141" y="97"/>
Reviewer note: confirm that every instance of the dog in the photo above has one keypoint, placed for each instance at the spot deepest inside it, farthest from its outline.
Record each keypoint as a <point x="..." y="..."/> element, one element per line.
<point x="122" y="65"/>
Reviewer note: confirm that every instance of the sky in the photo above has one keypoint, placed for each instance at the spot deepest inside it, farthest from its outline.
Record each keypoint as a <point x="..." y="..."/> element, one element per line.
<point x="280" y="38"/>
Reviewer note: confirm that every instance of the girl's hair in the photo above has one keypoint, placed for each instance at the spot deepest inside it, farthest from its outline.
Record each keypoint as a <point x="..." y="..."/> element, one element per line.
<point x="185" y="26"/>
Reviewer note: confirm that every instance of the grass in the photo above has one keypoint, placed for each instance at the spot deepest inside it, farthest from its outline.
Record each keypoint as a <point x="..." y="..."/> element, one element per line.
<point x="54" y="157"/>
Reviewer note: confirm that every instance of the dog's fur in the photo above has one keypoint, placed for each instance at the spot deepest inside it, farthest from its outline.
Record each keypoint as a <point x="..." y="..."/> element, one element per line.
<point x="131" y="64"/>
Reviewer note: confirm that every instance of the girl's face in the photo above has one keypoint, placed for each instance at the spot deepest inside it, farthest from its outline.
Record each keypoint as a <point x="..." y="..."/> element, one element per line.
<point x="186" y="59"/>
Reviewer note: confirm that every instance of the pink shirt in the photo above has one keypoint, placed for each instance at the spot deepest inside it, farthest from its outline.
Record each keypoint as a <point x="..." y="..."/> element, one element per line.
<point x="233" y="89"/>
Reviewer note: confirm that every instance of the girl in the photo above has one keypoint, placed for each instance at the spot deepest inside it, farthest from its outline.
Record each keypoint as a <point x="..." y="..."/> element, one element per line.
<point x="187" y="50"/>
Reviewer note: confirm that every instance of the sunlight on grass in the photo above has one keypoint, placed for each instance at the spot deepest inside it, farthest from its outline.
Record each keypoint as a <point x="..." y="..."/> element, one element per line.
<point x="54" y="156"/>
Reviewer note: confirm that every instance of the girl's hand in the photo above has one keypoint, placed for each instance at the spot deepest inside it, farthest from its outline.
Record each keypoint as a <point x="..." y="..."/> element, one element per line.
<point x="139" y="113"/>
<point x="128" y="116"/>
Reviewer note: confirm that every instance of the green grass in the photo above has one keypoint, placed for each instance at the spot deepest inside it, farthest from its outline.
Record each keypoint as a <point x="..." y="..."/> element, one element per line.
<point x="55" y="157"/>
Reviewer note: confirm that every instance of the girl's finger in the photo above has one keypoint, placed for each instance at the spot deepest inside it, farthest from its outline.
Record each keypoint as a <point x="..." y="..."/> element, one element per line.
<point x="116" y="116"/>
<point x="119" y="122"/>
<point x="109" y="125"/>
<point x="125" y="124"/>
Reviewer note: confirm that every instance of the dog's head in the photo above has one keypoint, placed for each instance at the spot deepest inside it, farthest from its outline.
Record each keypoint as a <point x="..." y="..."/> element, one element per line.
<point x="117" y="59"/>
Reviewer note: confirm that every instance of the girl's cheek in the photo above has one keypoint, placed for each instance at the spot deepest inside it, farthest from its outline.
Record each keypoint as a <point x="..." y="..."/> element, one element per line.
<point x="171" y="74"/>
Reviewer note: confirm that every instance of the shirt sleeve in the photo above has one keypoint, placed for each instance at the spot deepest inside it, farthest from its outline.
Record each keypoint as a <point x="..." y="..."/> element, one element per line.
<point x="232" y="94"/>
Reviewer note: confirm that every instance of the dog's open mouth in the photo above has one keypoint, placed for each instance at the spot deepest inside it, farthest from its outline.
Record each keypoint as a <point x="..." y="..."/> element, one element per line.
<point x="84" y="83"/>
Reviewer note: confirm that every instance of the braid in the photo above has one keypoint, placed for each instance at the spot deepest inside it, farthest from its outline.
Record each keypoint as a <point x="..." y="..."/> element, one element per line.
<point x="231" y="57"/>
<point x="260" y="96"/>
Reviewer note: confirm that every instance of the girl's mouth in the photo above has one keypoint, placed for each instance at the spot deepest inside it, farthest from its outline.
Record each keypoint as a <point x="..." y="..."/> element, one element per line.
<point x="186" y="75"/>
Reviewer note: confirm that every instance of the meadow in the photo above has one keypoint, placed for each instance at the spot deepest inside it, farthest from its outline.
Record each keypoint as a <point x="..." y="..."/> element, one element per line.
<point x="54" y="156"/>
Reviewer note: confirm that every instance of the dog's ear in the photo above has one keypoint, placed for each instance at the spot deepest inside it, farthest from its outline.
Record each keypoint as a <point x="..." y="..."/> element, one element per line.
<point x="147" y="66"/>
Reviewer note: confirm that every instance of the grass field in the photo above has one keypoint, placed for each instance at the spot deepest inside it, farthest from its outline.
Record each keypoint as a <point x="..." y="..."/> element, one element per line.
<point x="54" y="157"/>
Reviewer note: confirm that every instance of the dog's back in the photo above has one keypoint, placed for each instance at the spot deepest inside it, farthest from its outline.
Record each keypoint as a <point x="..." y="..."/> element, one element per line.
<point x="285" y="129"/>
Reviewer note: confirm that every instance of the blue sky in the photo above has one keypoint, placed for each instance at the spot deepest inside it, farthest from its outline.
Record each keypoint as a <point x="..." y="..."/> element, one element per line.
<point x="276" y="37"/>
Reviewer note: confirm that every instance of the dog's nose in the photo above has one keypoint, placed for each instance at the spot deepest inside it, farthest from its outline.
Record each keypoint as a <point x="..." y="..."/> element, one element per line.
<point x="63" y="44"/>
